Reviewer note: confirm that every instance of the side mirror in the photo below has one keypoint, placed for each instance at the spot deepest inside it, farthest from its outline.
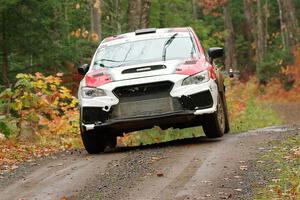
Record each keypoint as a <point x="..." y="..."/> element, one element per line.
<point x="215" y="52"/>
<point x="231" y="73"/>
<point x="83" y="69"/>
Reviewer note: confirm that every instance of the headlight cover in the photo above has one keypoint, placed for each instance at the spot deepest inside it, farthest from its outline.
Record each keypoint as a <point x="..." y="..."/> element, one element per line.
<point x="90" y="92"/>
<point x="201" y="77"/>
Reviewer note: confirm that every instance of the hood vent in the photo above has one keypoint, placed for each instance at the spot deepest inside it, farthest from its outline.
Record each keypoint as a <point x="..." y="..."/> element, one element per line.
<point x="143" y="69"/>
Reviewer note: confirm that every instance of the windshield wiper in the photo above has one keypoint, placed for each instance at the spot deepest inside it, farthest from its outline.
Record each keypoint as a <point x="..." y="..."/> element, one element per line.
<point x="100" y="62"/>
<point x="109" y="60"/>
<point x="167" y="44"/>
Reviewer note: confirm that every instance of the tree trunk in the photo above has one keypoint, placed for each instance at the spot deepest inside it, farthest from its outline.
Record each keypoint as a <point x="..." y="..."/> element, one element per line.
<point x="288" y="24"/>
<point x="282" y="26"/>
<point x="117" y="13"/>
<point x="260" y="46"/>
<point x="95" y="6"/>
<point x="5" y="65"/>
<point x="266" y="19"/>
<point x="230" y="49"/>
<point x="250" y="34"/>
<point x="138" y="14"/>
<point x="145" y="14"/>
<point x="134" y="14"/>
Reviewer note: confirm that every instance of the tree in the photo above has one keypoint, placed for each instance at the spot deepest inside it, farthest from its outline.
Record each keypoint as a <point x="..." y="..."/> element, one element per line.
<point x="250" y="33"/>
<point x="5" y="66"/>
<point x="288" y="24"/>
<point x="230" y="49"/>
<point x="48" y="35"/>
<point x="261" y="39"/>
<point x="138" y="14"/>
<point x="194" y="9"/>
<point x="145" y="13"/>
<point x="114" y="15"/>
<point x="36" y="35"/>
<point x="95" y="9"/>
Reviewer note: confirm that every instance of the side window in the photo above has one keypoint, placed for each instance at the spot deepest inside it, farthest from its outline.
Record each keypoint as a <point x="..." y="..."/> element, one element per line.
<point x="195" y="45"/>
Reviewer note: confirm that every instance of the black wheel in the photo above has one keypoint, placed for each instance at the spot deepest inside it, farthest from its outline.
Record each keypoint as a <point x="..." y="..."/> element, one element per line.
<point x="227" y="126"/>
<point x="111" y="141"/>
<point x="92" y="142"/>
<point x="214" y="124"/>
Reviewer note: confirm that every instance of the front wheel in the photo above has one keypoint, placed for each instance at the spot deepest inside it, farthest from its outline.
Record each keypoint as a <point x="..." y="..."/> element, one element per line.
<point x="92" y="142"/>
<point x="214" y="124"/>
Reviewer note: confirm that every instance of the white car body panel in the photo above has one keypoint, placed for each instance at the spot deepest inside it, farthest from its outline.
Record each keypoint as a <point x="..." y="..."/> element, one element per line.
<point x="168" y="74"/>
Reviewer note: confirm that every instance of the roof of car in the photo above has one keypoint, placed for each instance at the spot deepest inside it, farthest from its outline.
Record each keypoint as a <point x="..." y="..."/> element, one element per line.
<point x="147" y="33"/>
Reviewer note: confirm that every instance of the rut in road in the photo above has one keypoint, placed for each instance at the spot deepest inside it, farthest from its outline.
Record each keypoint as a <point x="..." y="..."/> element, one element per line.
<point x="196" y="168"/>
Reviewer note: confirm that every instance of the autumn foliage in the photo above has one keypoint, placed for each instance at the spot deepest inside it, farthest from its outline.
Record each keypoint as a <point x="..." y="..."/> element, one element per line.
<point x="38" y="101"/>
<point x="285" y="87"/>
<point x="39" y="116"/>
<point x="209" y="6"/>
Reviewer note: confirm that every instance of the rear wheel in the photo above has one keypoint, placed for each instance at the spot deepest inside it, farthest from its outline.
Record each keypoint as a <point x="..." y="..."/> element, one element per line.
<point x="227" y="126"/>
<point x="214" y="124"/>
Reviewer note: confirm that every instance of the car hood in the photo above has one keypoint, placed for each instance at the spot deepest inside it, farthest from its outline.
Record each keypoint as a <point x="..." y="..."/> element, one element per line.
<point x="144" y="70"/>
<point x="96" y="78"/>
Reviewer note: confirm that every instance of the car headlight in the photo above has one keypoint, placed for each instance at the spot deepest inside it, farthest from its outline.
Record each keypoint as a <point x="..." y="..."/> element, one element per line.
<point x="201" y="77"/>
<point x="89" y="92"/>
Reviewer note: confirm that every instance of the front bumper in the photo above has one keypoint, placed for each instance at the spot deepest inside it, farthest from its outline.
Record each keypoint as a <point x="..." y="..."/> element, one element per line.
<point x="166" y="104"/>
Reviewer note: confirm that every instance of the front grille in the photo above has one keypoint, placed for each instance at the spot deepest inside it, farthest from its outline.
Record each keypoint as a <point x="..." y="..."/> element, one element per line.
<point x="145" y="100"/>
<point x="144" y="91"/>
<point x="91" y="115"/>
<point x="146" y="107"/>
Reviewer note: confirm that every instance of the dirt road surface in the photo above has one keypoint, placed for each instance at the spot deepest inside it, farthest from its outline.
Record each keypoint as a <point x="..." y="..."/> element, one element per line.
<point x="196" y="168"/>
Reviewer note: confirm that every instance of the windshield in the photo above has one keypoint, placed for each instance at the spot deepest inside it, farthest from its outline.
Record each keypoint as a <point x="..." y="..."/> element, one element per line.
<point x="150" y="50"/>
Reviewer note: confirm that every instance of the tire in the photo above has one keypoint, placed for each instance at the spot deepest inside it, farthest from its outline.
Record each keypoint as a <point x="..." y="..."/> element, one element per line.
<point x="214" y="124"/>
<point x="92" y="142"/>
<point x="111" y="141"/>
<point x="227" y="125"/>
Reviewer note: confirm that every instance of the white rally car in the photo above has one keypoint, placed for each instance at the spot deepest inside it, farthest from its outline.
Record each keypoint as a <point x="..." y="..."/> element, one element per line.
<point x="150" y="77"/>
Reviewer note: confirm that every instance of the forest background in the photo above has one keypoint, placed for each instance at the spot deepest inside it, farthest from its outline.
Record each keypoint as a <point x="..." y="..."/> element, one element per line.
<point x="50" y="36"/>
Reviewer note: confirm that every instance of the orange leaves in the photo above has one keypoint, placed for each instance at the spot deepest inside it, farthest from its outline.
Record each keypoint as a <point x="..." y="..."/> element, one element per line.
<point x="95" y="37"/>
<point x="77" y="6"/>
<point x="85" y="35"/>
<point x="293" y="155"/>
<point x="77" y="33"/>
<point x="41" y="99"/>
<point x="12" y="153"/>
<point x="42" y="103"/>
<point x="238" y="93"/>
<point x="275" y="90"/>
<point x="209" y="6"/>
<point x="97" y="4"/>
<point x="293" y="71"/>
<point x="18" y="105"/>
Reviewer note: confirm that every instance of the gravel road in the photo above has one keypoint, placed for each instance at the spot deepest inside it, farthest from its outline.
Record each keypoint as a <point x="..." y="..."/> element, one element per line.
<point x="196" y="168"/>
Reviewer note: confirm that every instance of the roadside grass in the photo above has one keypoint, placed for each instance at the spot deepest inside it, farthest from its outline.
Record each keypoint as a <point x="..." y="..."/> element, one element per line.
<point x="256" y="115"/>
<point x="283" y="163"/>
